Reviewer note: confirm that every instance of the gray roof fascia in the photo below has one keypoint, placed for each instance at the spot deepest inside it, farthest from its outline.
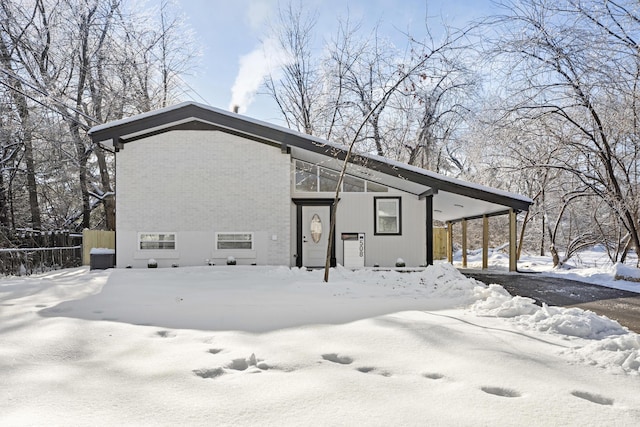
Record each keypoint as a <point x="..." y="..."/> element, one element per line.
<point x="156" y="122"/>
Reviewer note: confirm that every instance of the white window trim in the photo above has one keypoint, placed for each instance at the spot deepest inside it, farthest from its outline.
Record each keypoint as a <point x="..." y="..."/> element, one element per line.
<point x="175" y="240"/>
<point x="235" y="232"/>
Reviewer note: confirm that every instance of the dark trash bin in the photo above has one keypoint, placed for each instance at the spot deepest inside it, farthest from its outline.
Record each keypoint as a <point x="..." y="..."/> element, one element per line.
<point x="101" y="258"/>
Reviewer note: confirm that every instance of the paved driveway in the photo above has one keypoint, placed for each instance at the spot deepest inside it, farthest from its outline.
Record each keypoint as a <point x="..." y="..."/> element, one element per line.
<point x="622" y="306"/>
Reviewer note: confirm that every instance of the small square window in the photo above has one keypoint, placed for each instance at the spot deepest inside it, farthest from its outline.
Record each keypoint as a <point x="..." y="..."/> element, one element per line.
<point x="388" y="215"/>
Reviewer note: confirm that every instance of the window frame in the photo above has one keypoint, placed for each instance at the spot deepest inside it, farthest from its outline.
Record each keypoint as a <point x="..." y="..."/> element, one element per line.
<point x="217" y="240"/>
<point x="383" y="188"/>
<point x="376" y="232"/>
<point x="306" y="167"/>
<point x="158" y="233"/>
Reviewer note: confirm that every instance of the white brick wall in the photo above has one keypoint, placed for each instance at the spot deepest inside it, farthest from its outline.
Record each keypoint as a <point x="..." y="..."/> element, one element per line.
<point x="196" y="183"/>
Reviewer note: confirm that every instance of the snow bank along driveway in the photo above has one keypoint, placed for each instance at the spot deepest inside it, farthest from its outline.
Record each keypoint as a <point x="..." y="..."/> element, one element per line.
<point x="276" y="346"/>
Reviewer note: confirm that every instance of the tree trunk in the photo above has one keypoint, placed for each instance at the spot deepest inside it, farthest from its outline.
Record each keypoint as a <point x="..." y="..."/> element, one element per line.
<point x="83" y="157"/>
<point x="108" y="200"/>
<point x="27" y="137"/>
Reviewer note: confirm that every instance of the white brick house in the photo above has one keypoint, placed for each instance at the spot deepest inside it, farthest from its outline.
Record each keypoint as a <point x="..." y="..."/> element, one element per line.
<point x="195" y="185"/>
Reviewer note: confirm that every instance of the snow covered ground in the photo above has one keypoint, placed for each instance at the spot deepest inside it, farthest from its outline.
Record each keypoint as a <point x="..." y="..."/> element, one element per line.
<point x="276" y="346"/>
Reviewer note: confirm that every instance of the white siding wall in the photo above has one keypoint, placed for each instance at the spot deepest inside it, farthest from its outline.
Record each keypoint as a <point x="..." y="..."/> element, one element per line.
<point x="356" y="215"/>
<point x="197" y="183"/>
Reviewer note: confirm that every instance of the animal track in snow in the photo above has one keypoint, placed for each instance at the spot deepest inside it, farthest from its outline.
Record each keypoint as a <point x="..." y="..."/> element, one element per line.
<point x="433" y="376"/>
<point x="166" y="334"/>
<point x="500" y="391"/>
<point x="215" y="350"/>
<point x="335" y="358"/>
<point x="594" y="398"/>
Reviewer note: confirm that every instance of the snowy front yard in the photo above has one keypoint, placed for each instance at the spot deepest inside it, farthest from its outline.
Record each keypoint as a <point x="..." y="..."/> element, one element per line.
<point x="274" y="346"/>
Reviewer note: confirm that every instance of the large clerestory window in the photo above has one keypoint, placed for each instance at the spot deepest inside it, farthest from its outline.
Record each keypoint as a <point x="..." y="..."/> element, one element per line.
<point x="311" y="178"/>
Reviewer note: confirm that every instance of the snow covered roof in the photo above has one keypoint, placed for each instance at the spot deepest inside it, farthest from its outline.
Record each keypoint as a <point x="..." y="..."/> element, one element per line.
<point x="453" y="199"/>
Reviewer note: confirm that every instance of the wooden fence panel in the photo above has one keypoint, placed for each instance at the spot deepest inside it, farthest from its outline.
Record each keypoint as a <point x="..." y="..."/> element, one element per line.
<point x="96" y="239"/>
<point x="439" y="243"/>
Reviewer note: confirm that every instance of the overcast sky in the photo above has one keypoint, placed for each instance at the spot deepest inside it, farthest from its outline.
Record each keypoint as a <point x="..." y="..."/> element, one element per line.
<point x="231" y="32"/>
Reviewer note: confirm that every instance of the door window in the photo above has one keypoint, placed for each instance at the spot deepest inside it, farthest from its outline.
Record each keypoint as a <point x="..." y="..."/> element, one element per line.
<point x="316" y="228"/>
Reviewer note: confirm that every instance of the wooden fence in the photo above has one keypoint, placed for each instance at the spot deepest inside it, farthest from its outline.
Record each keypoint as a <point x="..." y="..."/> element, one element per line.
<point x="96" y="239"/>
<point x="439" y="243"/>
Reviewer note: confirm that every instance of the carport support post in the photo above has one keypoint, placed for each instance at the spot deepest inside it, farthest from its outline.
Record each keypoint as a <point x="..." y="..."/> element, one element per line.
<point x="450" y="242"/>
<point x="464" y="243"/>
<point x="485" y="242"/>
<point x="429" y="226"/>
<point x="513" y="244"/>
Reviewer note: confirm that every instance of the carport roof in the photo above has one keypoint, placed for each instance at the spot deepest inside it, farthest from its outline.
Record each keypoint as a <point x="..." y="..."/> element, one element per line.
<point x="453" y="199"/>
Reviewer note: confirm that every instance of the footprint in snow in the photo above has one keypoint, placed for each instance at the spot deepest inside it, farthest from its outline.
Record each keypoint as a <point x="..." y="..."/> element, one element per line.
<point x="215" y="350"/>
<point x="209" y="373"/>
<point x="500" y="391"/>
<point x="238" y="365"/>
<point x="594" y="398"/>
<point x="433" y="376"/>
<point x="166" y="334"/>
<point x="367" y="369"/>
<point x="335" y="358"/>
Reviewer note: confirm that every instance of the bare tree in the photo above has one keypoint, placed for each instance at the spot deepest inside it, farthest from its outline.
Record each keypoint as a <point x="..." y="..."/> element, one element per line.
<point x="575" y="64"/>
<point x="8" y="57"/>
<point x="87" y="63"/>
<point x="403" y="73"/>
<point x="296" y="92"/>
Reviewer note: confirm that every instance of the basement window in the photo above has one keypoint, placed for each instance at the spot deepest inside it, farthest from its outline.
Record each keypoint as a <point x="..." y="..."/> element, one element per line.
<point x="234" y="240"/>
<point x="151" y="241"/>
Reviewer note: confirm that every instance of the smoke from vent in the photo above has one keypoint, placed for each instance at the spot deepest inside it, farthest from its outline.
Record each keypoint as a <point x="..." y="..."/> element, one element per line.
<point x="268" y="58"/>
